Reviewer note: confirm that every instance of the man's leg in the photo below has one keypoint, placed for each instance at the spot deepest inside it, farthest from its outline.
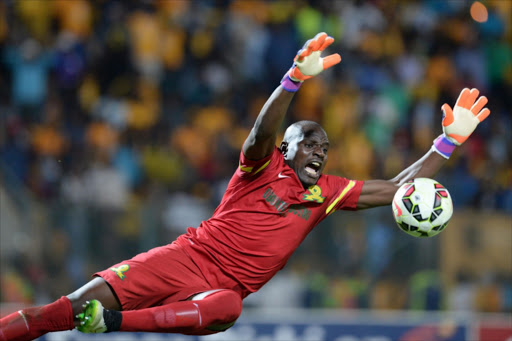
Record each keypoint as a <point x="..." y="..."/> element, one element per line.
<point x="206" y="313"/>
<point x="30" y="323"/>
<point x="97" y="289"/>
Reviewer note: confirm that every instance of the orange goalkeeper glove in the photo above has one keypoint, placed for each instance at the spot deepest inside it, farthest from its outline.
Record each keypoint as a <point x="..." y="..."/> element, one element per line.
<point x="466" y="115"/>
<point x="459" y="123"/>
<point x="308" y="63"/>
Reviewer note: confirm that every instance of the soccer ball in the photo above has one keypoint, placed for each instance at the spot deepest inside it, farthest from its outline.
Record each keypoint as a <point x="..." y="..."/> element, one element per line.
<point x="422" y="207"/>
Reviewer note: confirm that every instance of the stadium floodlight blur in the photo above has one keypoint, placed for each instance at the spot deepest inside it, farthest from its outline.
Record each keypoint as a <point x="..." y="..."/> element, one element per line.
<point x="112" y="111"/>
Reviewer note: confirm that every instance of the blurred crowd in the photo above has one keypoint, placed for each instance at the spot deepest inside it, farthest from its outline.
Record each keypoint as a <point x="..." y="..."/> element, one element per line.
<point x="126" y="118"/>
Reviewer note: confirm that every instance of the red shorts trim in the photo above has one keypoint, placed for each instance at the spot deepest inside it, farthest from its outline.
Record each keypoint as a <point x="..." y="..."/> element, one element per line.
<point x="163" y="274"/>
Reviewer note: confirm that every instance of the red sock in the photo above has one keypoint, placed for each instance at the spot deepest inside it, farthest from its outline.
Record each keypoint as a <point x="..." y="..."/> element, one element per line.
<point x="186" y="317"/>
<point x="30" y="323"/>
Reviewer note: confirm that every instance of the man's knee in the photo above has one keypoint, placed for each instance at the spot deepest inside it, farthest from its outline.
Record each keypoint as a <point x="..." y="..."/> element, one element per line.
<point x="233" y="306"/>
<point x="97" y="289"/>
<point x="227" y="305"/>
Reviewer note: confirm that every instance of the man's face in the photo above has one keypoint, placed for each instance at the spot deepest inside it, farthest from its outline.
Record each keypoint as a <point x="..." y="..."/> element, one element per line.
<point x="306" y="153"/>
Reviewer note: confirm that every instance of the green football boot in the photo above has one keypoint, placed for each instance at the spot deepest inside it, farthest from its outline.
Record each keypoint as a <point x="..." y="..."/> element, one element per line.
<point x="91" y="319"/>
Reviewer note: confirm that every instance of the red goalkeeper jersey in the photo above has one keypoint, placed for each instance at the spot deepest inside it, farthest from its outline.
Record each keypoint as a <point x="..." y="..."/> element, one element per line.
<point x="264" y="216"/>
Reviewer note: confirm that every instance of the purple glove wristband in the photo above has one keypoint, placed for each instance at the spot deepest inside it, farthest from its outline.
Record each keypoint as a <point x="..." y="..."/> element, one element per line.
<point x="443" y="146"/>
<point x="290" y="85"/>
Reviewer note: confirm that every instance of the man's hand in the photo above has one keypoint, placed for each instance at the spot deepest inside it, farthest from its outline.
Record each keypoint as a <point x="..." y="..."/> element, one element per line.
<point x="466" y="115"/>
<point x="308" y="63"/>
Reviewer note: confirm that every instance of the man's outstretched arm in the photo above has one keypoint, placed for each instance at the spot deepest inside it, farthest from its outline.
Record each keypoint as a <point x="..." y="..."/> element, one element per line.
<point x="307" y="64"/>
<point x="262" y="138"/>
<point x="458" y="125"/>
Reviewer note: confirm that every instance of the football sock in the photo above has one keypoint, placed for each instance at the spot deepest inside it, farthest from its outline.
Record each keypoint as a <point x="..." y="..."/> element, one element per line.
<point x="112" y="319"/>
<point x="30" y="323"/>
<point x="215" y="312"/>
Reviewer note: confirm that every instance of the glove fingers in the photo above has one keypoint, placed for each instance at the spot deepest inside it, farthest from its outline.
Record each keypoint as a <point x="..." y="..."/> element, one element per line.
<point x="317" y="42"/>
<point x="467" y="98"/>
<point x="312" y="44"/>
<point x="473" y="95"/>
<point x="306" y="44"/>
<point x="448" y="114"/>
<point x="483" y="114"/>
<point x="304" y="51"/>
<point x="319" y="39"/>
<point x="477" y="107"/>
<point x="328" y="41"/>
<point x="463" y="100"/>
<point x="301" y="54"/>
<point x="331" y="60"/>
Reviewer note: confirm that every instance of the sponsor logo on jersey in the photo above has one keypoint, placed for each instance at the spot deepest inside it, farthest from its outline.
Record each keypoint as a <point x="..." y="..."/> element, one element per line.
<point x="273" y="200"/>
<point x="300" y="211"/>
<point x="120" y="270"/>
<point x="314" y="194"/>
<point x="282" y="206"/>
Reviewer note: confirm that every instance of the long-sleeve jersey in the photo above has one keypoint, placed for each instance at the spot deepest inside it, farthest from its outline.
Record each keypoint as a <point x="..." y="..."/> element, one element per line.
<point x="263" y="217"/>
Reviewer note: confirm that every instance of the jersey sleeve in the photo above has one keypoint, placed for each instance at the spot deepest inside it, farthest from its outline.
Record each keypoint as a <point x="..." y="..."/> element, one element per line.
<point x="346" y="194"/>
<point x="249" y="168"/>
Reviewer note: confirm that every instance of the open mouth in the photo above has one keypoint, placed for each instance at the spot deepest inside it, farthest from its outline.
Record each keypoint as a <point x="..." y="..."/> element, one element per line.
<point x="313" y="168"/>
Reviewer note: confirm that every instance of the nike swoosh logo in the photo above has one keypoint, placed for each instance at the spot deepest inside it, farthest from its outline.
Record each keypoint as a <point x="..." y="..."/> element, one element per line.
<point x="281" y="176"/>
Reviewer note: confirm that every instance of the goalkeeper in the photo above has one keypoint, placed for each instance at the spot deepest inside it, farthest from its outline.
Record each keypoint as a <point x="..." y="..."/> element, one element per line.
<point x="196" y="284"/>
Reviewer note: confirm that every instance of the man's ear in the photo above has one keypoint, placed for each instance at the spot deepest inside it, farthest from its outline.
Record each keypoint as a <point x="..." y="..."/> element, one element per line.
<point x="284" y="148"/>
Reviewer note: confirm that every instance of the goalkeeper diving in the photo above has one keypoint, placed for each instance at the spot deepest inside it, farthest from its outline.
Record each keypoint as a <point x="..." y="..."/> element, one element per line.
<point x="277" y="195"/>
